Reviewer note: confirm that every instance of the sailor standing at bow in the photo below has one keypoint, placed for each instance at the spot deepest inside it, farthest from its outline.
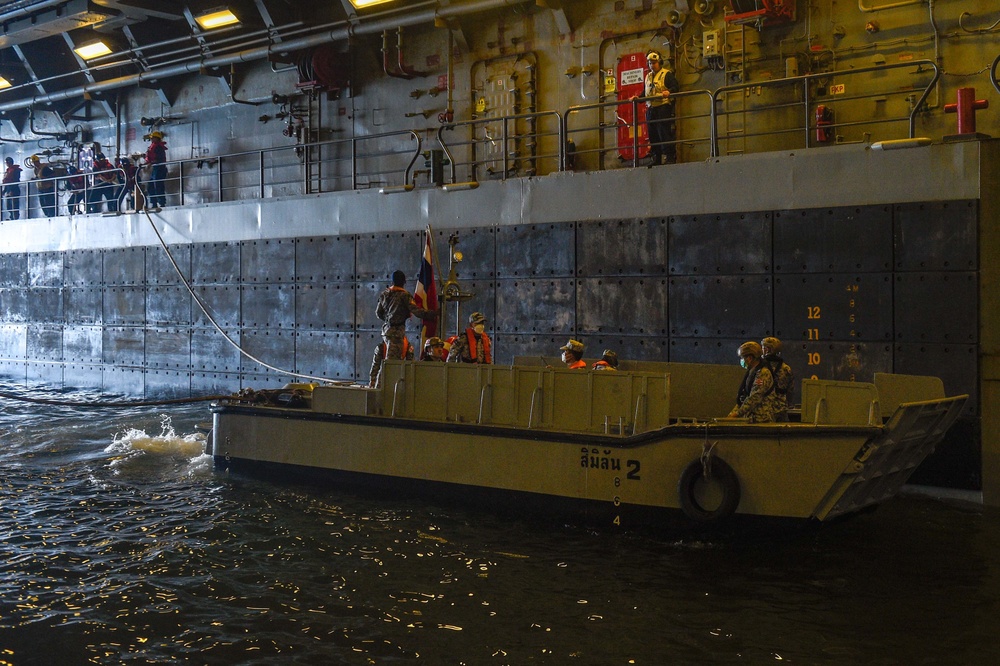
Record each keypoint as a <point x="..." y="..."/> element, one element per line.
<point x="395" y="305"/>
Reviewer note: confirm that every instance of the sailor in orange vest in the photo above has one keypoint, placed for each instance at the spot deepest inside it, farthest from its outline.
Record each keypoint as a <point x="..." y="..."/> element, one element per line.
<point x="474" y="346"/>
<point x="609" y="361"/>
<point x="572" y="355"/>
<point x="379" y="356"/>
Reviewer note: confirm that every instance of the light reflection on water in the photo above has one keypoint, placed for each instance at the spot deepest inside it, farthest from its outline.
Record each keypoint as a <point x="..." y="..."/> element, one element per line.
<point x="120" y="543"/>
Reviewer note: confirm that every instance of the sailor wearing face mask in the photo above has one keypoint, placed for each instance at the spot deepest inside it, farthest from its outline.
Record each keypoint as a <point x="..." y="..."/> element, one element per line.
<point x="474" y="345"/>
<point x="757" y="399"/>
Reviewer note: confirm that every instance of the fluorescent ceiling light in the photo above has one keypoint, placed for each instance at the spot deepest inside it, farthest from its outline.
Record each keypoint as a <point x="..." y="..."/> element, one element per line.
<point x="4" y="83"/>
<point x="360" y="4"/>
<point x="92" y="50"/>
<point x="216" y="18"/>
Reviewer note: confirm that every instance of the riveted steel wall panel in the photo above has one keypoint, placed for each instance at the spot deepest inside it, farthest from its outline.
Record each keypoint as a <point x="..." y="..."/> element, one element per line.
<point x="168" y="305"/>
<point x="536" y="250"/>
<point x="540" y="306"/>
<point x="124" y="381"/>
<point x="83" y="305"/>
<point x="273" y="346"/>
<point x="14" y="305"/>
<point x="44" y="342"/>
<point x="83" y="344"/>
<point x="833" y="240"/>
<point x="724" y="244"/>
<point x="623" y="305"/>
<point x="53" y="374"/>
<point x="125" y="266"/>
<point x="365" y="302"/>
<point x="484" y="300"/>
<point x="258" y="381"/>
<point x="706" y="350"/>
<point x="325" y="306"/>
<point x="937" y="307"/>
<point x="843" y="361"/>
<point x="211" y="353"/>
<point x="82" y="375"/>
<point x="323" y="259"/>
<point x="221" y="301"/>
<point x="478" y="248"/>
<point x="83" y="268"/>
<point x="720" y="307"/>
<point x="325" y="354"/>
<point x="214" y="383"/>
<point x="379" y="254"/>
<point x="215" y="263"/>
<point x="45" y="269"/>
<point x="622" y="247"/>
<point x="124" y="346"/>
<point x="167" y="384"/>
<point x="168" y="348"/>
<point x="13" y="269"/>
<point x="268" y="306"/>
<point x="267" y="261"/>
<point x="159" y="270"/>
<point x="833" y="307"/>
<point x="507" y="346"/>
<point x="628" y="348"/>
<point x="936" y="236"/>
<point x="956" y="364"/>
<point x="13" y="341"/>
<point x="45" y="305"/>
<point x="124" y="305"/>
<point x="14" y="372"/>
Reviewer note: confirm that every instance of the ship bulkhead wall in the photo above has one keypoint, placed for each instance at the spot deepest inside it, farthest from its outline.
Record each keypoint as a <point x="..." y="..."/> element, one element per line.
<point x="873" y="275"/>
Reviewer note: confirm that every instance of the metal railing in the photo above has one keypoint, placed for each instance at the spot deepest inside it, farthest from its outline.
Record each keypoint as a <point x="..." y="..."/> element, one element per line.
<point x="76" y="194"/>
<point x="764" y="115"/>
<point x="626" y="145"/>
<point x="794" y="115"/>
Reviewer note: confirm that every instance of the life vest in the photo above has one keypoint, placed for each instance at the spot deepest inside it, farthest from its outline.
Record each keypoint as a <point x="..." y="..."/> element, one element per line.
<point x="470" y="335"/>
<point x="406" y="349"/>
<point x="601" y="365"/>
<point x="578" y="365"/>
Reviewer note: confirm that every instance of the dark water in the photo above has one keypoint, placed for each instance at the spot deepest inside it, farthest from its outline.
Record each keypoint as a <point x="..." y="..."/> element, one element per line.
<point x="119" y="543"/>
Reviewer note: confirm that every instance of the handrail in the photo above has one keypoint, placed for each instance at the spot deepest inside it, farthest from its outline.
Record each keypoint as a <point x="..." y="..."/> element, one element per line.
<point x="637" y="121"/>
<point x="993" y="74"/>
<point x="805" y="80"/>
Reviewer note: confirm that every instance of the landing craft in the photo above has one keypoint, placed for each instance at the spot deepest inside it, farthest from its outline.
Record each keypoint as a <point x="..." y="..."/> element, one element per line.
<point x="623" y="450"/>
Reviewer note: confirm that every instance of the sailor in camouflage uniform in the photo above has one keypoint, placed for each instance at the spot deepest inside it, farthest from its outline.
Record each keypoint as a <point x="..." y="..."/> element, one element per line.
<point x="395" y="305"/>
<point x="757" y="399"/>
<point x="782" y="374"/>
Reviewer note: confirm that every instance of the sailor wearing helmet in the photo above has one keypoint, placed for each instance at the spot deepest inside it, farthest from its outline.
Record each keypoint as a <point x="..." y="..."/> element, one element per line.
<point x="756" y="399"/>
<point x="660" y="84"/>
<point x="781" y="372"/>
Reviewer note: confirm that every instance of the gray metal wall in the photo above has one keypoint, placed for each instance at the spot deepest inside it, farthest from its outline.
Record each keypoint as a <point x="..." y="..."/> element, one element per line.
<point x="852" y="291"/>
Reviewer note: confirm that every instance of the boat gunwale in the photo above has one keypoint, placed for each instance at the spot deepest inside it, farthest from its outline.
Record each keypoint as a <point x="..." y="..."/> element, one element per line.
<point x="685" y="430"/>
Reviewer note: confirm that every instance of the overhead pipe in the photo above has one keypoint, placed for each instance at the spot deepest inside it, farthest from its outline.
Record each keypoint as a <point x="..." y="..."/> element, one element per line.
<point x="28" y="10"/>
<point x="347" y="30"/>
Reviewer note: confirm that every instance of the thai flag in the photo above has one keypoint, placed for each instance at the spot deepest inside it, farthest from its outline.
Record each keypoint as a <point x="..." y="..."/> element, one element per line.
<point x="425" y="293"/>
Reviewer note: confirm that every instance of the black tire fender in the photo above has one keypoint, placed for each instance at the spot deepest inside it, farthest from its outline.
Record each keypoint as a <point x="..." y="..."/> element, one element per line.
<point x="720" y="472"/>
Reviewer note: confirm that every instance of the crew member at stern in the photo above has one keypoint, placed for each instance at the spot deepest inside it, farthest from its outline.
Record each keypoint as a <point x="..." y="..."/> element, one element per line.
<point x="782" y="374"/>
<point x="474" y="345"/>
<point x="756" y="399"/>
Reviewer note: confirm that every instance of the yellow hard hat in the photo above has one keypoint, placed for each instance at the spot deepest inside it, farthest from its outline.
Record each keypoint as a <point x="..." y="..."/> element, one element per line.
<point x="156" y="135"/>
<point x="34" y="158"/>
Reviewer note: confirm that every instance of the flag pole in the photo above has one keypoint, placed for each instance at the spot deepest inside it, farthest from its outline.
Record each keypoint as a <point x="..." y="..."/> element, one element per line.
<point x="437" y="278"/>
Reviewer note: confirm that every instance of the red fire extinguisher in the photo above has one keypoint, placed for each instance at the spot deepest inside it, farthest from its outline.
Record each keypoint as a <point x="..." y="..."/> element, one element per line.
<point x="824" y="124"/>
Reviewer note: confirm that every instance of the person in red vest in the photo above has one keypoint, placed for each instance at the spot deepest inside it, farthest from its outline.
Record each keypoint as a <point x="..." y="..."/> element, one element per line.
<point x="12" y="189"/>
<point x="609" y="361"/>
<point x="572" y="355"/>
<point x="379" y="356"/>
<point x="474" y="345"/>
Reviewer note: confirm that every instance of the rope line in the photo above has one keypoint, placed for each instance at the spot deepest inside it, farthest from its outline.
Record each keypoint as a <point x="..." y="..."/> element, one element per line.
<point x="210" y="318"/>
